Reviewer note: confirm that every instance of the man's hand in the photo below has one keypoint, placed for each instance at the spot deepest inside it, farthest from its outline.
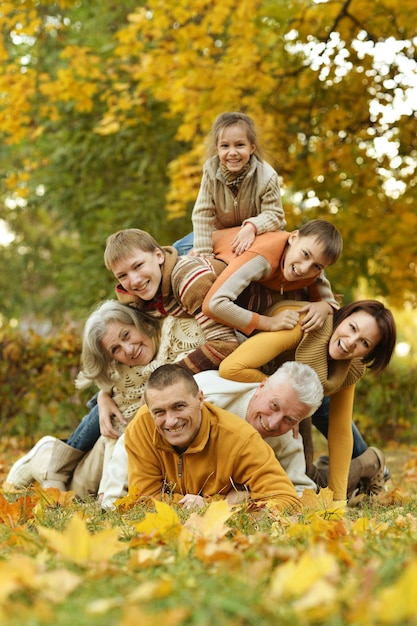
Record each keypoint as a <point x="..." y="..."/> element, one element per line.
<point x="106" y="410"/>
<point x="237" y="496"/>
<point x="315" y="315"/>
<point x="190" y="501"/>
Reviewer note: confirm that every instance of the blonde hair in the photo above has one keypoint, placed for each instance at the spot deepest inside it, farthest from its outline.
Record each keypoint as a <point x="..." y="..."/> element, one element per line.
<point x="126" y="242"/>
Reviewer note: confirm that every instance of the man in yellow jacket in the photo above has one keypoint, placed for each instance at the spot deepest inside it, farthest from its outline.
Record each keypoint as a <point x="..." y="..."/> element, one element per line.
<point x="180" y="446"/>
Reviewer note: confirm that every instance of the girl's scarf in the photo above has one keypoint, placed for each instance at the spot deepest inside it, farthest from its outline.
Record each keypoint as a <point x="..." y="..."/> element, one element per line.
<point x="233" y="179"/>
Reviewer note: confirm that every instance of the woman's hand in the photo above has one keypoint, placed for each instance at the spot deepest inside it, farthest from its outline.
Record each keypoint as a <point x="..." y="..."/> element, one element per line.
<point x="106" y="410"/>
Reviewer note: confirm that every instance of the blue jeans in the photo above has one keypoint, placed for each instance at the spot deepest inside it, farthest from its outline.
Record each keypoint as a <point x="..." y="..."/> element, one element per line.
<point x="88" y="430"/>
<point x="185" y="244"/>
<point x="320" y="420"/>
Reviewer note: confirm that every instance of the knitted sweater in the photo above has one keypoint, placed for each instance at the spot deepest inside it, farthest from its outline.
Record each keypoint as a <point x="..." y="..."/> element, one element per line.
<point x="179" y="336"/>
<point x="225" y="452"/>
<point x="258" y="201"/>
<point x="262" y="263"/>
<point x="184" y="283"/>
<point x="337" y="377"/>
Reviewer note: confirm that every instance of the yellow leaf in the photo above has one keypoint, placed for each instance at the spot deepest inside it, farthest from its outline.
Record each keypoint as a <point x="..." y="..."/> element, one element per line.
<point x="164" y="522"/>
<point x="57" y="584"/>
<point x="294" y="579"/>
<point x="211" y="525"/>
<point x="150" y="590"/>
<point x="77" y="545"/>
<point x="214" y="552"/>
<point x="149" y="558"/>
<point x="398" y="603"/>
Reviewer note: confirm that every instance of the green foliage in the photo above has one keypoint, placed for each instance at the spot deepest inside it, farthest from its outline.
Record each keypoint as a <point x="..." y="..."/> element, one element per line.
<point x="37" y="394"/>
<point x="385" y="407"/>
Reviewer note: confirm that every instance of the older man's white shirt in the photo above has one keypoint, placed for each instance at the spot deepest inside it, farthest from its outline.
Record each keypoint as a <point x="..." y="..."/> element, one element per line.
<point x="235" y="397"/>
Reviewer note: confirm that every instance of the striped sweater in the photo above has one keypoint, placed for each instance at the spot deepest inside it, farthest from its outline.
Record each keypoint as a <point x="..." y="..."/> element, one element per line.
<point x="261" y="265"/>
<point x="184" y="284"/>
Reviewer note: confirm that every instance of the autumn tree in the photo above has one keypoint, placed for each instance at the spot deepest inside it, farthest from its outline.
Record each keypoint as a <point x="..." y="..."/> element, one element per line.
<point x="104" y="110"/>
<point x="65" y="187"/>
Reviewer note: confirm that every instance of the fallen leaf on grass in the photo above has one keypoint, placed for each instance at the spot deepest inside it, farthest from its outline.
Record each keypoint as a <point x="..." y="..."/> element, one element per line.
<point x="397" y="496"/>
<point x="75" y="543"/>
<point x="397" y="603"/>
<point x="364" y="524"/>
<point x="149" y="558"/>
<point x="164" y="523"/>
<point x="152" y="590"/>
<point x="314" y="525"/>
<point x="211" y="525"/>
<point x="18" y="512"/>
<point x="170" y="617"/>
<point x="294" y="579"/>
<point x="223" y="551"/>
<point x="57" y="584"/>
<point x="313" y="501"/>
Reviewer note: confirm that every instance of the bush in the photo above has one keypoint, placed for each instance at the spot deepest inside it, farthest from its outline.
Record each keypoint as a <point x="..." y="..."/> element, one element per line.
<point x="37" y="391"/>
<point x="385" y="409"/>
<point x="38" y="395"/>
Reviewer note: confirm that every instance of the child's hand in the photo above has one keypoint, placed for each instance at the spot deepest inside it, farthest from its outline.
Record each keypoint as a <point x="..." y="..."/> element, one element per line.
<point x="315" y="315"/>
<point x="244" y="239"/>
<point x="284" y="320"/>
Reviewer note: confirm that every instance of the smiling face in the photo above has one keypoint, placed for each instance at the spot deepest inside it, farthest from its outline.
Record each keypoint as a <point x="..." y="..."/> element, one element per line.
<point x="273" y="411"/>
<point x="304" y="257"/>
<point x="140" y="273"/>
<point x="354" y="337"/>
<point x="234" y="148"/>
<point x="127" y="345"/>
<point x="176" y="412"/>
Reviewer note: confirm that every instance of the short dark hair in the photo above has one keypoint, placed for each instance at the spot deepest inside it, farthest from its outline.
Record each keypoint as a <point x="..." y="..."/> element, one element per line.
<point x="379" y="357"/>
<point x="169" y="374"/>
<point x="327" y="235"/>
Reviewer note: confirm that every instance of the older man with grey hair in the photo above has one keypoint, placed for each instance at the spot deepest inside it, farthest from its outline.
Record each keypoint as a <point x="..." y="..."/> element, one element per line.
<point x="274" y="408"/>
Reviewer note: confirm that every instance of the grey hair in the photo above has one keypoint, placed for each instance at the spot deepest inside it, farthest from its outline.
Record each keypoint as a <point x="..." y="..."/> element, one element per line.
<point x="97" y="365"/>
<point x="303" y="379"/>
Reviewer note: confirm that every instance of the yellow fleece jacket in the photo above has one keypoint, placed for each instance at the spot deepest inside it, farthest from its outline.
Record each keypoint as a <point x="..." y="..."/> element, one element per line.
<point x="227" y="452"/>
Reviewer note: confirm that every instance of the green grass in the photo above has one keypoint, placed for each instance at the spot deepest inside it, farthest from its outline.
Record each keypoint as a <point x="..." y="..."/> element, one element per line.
<point x="229" y="581"/>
